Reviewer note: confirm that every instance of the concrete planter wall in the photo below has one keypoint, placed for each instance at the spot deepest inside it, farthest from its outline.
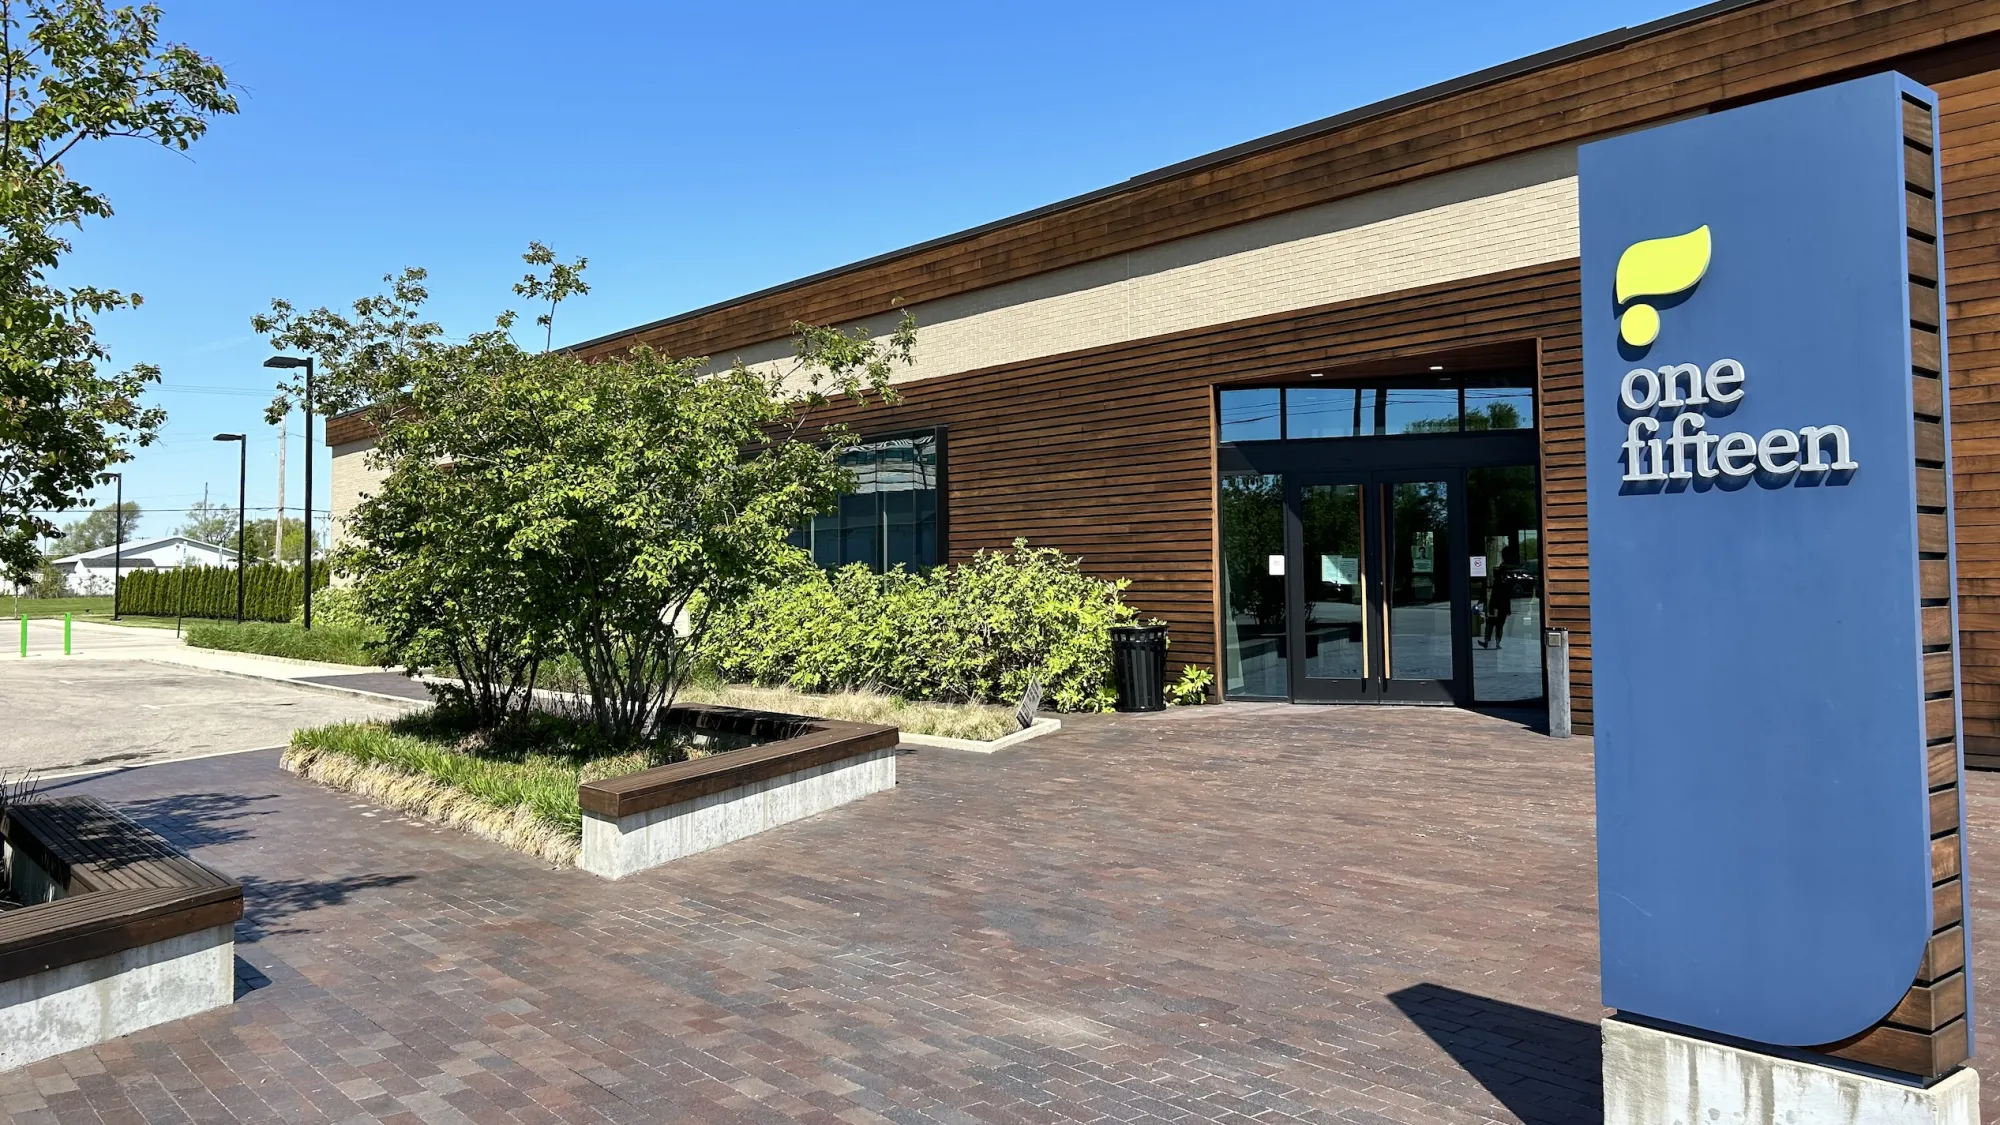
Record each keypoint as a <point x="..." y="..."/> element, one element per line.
<point x="659" y="815"/>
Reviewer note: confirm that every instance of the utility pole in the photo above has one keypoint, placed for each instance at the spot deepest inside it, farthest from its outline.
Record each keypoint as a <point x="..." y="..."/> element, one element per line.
<point x="118" y="541"/>
<point x="278" y="540"/>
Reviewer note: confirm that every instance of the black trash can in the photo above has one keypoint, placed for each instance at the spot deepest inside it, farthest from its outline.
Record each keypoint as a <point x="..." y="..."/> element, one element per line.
<point x="1139" y="666"/>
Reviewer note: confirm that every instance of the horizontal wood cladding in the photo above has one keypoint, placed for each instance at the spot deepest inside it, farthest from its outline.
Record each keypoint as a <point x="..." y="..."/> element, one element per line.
<point x="1107" y="453"/>
<point x="349" y="428"/>
<point x="1925" y="1034"/>
<point x="1969" y="122"/>
<point x="1729" y="58"/>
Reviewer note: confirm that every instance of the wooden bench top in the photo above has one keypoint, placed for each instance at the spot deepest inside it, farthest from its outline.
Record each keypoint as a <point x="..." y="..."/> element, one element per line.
<point x="86" y="845"/>
<point x="810" y="743"/>
<point x="126" y="886"/>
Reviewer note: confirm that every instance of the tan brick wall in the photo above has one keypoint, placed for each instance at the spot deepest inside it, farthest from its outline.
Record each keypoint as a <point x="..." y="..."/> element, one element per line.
<point x="353" y="477"/>
<point x="1495" y="217"/>
<point x="1469" y="223"/>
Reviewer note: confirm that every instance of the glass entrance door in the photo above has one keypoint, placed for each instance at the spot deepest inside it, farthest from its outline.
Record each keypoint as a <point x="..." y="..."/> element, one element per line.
<point x="1335" y="640"/>
<point x="1420" y="604"/>
<point x="1379" y="570"/>
<point x="1503" y="520"/>
<point x="1378" y="616"/>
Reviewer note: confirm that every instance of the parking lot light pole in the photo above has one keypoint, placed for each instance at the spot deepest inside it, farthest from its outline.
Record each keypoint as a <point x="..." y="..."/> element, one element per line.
<point x="286" y="362"/>
<point x="242" y="487"/>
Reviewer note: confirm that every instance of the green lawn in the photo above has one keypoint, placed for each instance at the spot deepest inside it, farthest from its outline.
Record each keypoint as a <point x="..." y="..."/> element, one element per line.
<point x="96" y="609"/>
<point x="56" y="607"/>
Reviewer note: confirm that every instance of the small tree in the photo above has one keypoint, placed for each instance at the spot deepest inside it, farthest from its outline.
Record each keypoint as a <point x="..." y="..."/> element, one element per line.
<point x="651" y="492"/>
<point x="538" y="501"/>
<point x="71" y="72"/>
<point x="49" y="582"/>
<point x="432" y="549"/>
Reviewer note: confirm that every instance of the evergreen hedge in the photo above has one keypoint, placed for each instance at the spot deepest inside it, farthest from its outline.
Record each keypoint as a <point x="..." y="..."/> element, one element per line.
<point x="270" y="591"/>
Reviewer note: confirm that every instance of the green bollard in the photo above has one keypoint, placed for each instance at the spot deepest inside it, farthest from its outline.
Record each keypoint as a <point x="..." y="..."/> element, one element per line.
<point x="65" y="634"/>
<point x="24" y="636"/>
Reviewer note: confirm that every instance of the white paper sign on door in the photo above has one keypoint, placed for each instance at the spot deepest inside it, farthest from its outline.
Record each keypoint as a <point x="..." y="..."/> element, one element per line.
<point x="1479" y="566"/>
<point x="1277" y="564"/>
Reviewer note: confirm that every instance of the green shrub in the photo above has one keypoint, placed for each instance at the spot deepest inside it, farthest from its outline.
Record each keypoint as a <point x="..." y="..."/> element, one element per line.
<point x="328" y="645"/>
<point x="270" y="592"/>
<point x="973" y="633"/>
<point x="1191" y="688"/>
<point x="337" y="607"/>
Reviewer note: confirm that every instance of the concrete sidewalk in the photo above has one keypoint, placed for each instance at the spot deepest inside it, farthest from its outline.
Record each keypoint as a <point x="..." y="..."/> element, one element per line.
<point x="92" y="641"/>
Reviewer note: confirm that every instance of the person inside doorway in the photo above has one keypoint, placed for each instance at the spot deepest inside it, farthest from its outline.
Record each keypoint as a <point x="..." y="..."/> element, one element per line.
<point x="1499" y="602"/>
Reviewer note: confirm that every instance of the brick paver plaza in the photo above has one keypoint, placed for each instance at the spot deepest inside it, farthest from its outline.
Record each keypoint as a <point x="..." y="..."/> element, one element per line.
<point x="1228" y="914"/>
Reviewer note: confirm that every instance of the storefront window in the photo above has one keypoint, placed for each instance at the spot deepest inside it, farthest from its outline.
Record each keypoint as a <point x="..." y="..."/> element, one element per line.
<point x="1252" y="415"/>
<point x="891" y="517"/>
<point x="1499" y="408"/>
<point x="1324" y="412"/>
<point x="1417" y="410"/>
<point x="1408" y="405"/>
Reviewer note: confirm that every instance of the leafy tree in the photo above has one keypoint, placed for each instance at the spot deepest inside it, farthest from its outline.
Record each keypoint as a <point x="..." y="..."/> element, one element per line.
<point x="49" y="582"/>
<point x="563" y="280"/>
<point x="536" y="501"/>
<point x="73" y="71"/>
<point x="211" y="523"/>
<point x="99" y="529"/>
<point x="262" y="533"/>
<point x="363" y="359"/>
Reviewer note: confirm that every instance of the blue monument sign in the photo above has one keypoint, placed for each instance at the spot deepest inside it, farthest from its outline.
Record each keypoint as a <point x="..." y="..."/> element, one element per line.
<point x="1756" y="452"/>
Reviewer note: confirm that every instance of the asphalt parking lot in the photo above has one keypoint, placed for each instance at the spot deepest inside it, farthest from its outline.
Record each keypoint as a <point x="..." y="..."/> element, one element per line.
<point x="59" y="715"/>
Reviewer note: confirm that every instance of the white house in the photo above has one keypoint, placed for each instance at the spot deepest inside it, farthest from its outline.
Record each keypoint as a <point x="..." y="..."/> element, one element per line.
<point x="89" y="572"/>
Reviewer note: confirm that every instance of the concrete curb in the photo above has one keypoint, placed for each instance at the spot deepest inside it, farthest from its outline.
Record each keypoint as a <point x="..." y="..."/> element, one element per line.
<point x="120" y="767"/>
<point x="334" y="689"/>
<point x="1040" y="727"/>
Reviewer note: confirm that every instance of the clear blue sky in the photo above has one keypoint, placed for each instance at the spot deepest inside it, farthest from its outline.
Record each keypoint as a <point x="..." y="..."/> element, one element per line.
<point x="692" y="152"/>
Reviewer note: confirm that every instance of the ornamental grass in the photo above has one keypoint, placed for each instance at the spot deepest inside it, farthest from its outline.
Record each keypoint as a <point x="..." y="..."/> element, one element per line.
<point x="519" y="792"/>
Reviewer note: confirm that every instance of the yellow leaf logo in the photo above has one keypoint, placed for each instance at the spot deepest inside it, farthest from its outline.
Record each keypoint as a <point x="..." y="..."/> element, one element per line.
<point x="1657" y="267"/>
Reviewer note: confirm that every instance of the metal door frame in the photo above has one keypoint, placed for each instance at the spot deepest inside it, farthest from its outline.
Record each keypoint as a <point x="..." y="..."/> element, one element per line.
<point x="1375" y="684"/>
<point x="1374" y="463"/>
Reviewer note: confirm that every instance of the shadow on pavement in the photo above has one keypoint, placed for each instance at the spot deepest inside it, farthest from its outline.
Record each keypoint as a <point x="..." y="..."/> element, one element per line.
<point x="188" y="820"/>
<point x="384" y="683"/>
<point x="249" y="978"/>
<point x="1546" y="1069"/>
<point x="269" y="905"/>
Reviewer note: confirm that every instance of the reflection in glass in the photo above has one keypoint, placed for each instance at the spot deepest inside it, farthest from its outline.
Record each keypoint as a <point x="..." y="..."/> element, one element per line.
<point x="891" y="517"/>
<point x="1504" y="515"/>
<point x="1499" y="408"/>
<point x="1324" y="412"/>
<point x="1331" y="517"/>
<point x="1417" y="410"/>
<point x="1419" y="581"/>
<point x="1446" y="406"/>
<point x="1251" y="415"/>
<point x="1253" y="623"/>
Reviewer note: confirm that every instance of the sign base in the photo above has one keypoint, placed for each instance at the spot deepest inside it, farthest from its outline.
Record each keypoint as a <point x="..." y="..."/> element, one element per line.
<point x="1654" y="1077"/>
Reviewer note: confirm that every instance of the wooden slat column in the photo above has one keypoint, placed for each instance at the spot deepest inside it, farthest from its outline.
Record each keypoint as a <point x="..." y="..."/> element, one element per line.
<point x="1926" y="1034"/>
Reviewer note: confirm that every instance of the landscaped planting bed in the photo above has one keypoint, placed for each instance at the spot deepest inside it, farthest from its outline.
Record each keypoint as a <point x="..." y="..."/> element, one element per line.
<point x="977" y="722"/>
<point x="543" y="787"/>
<point x="326" y="644"/>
